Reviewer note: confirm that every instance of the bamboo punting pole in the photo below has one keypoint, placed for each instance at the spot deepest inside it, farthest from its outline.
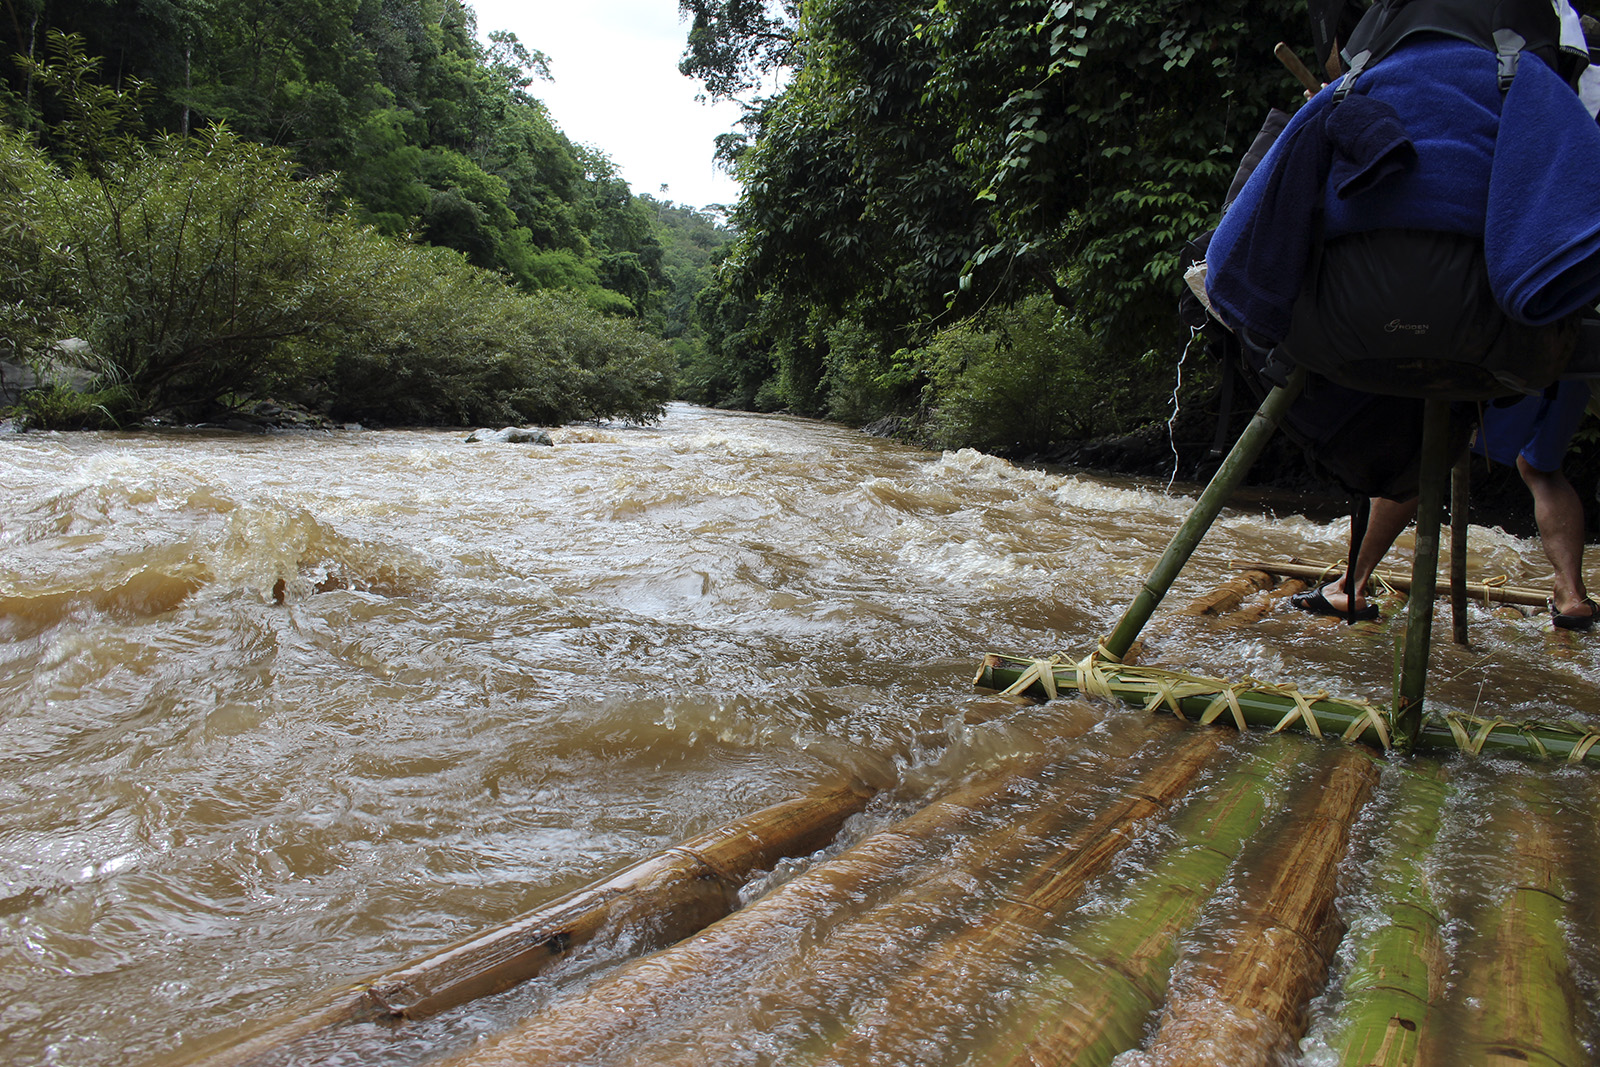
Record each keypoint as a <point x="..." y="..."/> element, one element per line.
<point x="936" y="994"/>
<point x="1398" y="964"/>
<point x="1092" y="1003"/>
<point x="722" y="957"/>
<point x="1205" y="511"/>
<point x="1230" y="594"/>
<point x="1491" y="593"/>
<point x="1241" y="999"/>
<point x="1522" y="994"/>
<point x="1282" y="707"/>
<point x="678" y="891"/>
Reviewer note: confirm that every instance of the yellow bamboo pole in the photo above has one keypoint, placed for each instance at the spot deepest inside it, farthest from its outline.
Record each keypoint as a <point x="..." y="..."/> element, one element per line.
<point x="1254" y="613"/>
<point x="1230" y="594"/>
<point x="662" y="898"/>
<point x="1240" y="1000"/>
<point x="1483" y="592"/>
<point x="1519" y="997"/>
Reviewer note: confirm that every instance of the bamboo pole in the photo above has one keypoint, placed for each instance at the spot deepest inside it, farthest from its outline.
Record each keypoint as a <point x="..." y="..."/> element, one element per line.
<point x="1460" y="494"/>
<point x="932" y="926"/>
<point x="922" y="921"/>
<point x="1411" y="681"/>
<point x="1313" y="572"/>
<point x="1519" y="997"/>
<point x="678" y="891"/>
<point x="1092" y="1003"/>
<point x="1397" y="974"/>
<point x="723" y="959"/>
<point x="934" y="997"/>
<point x="1522" y="997"/>
<point x="1205" y="511"/>
<point x="1230" y="594"/>
<point x="1282" y="707"/>
<point x="1240" y="1000"/>
<point x="1254" y="613"/>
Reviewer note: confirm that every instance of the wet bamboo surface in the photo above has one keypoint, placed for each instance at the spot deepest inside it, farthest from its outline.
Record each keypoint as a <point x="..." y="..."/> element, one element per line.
<point x="899" y="878"/>
<point x="1397" y="972"/>
<point x="658" y="900"/>
<point x="1214" y="950"/>
<point x="1190" y="896"/>
<point x="1239" y="993"/>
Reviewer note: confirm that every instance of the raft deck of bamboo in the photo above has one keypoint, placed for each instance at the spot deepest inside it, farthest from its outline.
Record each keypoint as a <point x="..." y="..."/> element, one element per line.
<point x="1259" y="886"/>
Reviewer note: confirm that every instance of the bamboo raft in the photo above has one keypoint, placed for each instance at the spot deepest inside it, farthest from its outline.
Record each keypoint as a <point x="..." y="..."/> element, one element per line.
<point x="1204" y="895"/>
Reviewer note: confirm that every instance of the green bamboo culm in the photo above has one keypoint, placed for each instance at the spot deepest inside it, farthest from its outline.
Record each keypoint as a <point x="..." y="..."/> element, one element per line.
<point x="1087" y="1006"/>
<point x="1283" y="707"/>
<point x="1432" y="492"/>
<point x="1395" y="979"/>
<point x="1237" y="464"/>
<point x="1519" y="1001"/>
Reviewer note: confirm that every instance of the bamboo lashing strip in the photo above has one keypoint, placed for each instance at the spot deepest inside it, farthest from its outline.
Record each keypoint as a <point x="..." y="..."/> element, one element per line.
<point x="1284" y="707"/>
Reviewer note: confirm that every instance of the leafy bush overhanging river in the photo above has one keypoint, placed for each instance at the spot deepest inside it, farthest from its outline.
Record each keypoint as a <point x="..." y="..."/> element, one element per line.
<point x="282" y="712"/>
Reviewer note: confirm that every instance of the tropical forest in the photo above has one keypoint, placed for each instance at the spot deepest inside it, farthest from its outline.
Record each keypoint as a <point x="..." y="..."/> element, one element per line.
<point x="964" y="224"/>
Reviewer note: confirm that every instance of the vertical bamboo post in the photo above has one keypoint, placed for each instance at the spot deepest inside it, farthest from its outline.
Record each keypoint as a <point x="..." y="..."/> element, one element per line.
<point x="1460" y="490"/>
<point x="1413" y="675"/>
<point x="1187" y="539"/>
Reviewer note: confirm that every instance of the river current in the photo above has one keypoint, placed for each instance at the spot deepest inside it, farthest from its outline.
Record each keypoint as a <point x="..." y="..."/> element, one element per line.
<point x="280" y="712"/>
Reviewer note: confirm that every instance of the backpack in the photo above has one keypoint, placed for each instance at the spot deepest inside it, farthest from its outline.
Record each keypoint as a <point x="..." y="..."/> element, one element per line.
<point x="1410" y="312"/>
<point x="1505" y="27"/>
<point x="1369" y="444"/>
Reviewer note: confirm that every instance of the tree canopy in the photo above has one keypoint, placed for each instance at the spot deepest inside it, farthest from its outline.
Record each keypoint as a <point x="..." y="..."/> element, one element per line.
<point x="428" y="131"/>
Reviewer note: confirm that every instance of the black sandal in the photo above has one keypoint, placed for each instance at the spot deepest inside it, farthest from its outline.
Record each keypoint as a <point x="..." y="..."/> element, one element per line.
<point x="1315" y="603"/>
<point x="1574" y="622"/>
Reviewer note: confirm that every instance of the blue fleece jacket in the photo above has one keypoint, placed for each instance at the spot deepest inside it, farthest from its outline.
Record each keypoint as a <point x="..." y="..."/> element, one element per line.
<point x="1521" y="169"/>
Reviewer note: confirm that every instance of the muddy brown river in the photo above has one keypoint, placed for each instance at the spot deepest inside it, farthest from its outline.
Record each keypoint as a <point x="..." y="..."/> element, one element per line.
<point x="280" y="712"/>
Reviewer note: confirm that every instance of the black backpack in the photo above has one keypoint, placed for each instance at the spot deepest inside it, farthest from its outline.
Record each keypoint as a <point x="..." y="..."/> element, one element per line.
<point x="1506" y="27"/>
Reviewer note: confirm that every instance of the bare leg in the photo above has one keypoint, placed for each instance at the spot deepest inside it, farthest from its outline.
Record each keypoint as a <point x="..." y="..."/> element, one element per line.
<point x="1388" y="519"/>
<point x="1559" y="513"/>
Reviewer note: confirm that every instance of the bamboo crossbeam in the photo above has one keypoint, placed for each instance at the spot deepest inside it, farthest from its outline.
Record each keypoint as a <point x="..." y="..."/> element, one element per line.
<point x="1092" y="1003"/>
<point x="1239" y="999"/>
<point x="1281" y="707"/>
<point x="679" y="891"/>
<point x="1397" y="971"/>
<point x="1319" y="572"/>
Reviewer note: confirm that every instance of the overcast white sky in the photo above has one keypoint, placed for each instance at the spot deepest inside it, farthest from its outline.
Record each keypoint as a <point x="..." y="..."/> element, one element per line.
<point x="617" y="88"/>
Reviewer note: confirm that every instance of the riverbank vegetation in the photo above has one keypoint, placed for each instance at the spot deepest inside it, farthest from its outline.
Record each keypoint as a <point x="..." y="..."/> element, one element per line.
<point x="972" y="215"/>
<point x="356" y="209"/>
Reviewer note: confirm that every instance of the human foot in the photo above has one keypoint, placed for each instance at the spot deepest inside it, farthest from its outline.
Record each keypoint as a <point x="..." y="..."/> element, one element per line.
<point x="1330" y="601"/>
